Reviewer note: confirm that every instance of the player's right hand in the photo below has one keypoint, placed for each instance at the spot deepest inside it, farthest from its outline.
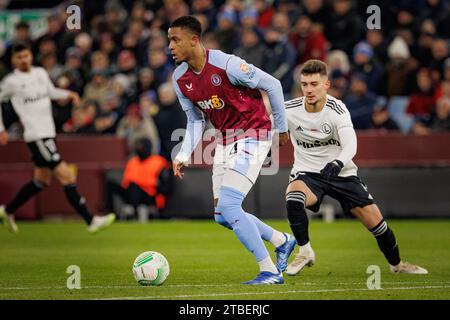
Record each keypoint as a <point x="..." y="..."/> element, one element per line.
<point x="177" y="166"/>
<point x="75" y="98"/>
<point x="284" y="138"/>
<point x="3" y="138"/>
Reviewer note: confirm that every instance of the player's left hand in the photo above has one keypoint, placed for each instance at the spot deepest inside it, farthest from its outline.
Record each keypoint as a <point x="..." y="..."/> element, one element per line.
<point x="75" y="98"/>
<point x="332" y="169"/>
<point x="284" y="138"/>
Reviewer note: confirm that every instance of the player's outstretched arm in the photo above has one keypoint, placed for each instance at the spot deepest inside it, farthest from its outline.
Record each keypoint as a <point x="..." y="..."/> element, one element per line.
<point x="5" y="94"/>
<point x="347" y="138"/>
<point x="242" y="73"/>
<point x="194" y="131"/>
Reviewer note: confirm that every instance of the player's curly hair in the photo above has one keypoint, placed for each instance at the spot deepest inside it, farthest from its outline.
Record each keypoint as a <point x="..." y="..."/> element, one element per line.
<point x="314" y="66"/>
<point x="188" y="22"/>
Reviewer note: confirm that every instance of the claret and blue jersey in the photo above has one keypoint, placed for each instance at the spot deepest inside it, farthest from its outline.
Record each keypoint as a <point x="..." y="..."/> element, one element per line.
<point x="226" y="90"/>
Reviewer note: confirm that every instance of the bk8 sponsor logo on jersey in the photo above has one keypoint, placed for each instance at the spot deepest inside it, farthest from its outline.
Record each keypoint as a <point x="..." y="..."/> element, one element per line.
<point x="214" y="103"/>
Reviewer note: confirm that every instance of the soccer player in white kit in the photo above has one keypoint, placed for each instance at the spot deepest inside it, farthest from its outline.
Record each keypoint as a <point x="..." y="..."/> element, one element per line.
<point x="30" y="89"/>
<point x="324" y="141"/>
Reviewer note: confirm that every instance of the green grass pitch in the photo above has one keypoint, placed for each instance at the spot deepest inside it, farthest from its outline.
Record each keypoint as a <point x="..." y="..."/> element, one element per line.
<point x="208" y="262"/>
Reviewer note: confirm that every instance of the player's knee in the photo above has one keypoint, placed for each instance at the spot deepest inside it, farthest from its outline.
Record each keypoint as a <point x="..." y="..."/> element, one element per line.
<point x="221" y="220"/>
<point x="295" y="205"/>
<point x="230" y="200"/>
<point x="41" y="183"/>
<point x="65" y="176"/>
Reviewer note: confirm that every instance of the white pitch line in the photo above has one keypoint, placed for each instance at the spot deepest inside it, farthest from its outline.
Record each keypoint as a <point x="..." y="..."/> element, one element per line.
<point x="269" y="292"/>
<point x="225" y="285"/>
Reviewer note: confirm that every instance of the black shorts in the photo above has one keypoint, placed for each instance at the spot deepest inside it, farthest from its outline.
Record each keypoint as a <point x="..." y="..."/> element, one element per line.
<point x="350" y="192"/>
<point x="45" y="153"/>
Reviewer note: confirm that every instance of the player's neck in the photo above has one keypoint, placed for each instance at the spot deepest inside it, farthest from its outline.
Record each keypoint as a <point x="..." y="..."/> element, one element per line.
<point x="316" y="107"/>
<point x="24" y="70"/>
<point x="197" y="63"/>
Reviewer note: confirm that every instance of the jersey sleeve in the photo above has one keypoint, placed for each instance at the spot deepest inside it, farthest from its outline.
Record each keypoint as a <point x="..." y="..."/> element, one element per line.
<point x="6" y="92"/>
<point x="342" y="118"/>
<point x="347" y="135"/>
<point x="194" y="128"/>
<point x="53" y="92"/>
<point x="242" y="73"/>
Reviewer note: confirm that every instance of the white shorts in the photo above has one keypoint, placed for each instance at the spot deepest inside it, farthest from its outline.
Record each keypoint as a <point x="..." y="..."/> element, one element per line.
<point x="245" y="156"/>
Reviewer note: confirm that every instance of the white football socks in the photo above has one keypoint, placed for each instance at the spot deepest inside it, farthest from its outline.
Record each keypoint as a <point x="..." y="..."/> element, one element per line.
<point x="278" y="238"/>
<point x="267" y="265"/>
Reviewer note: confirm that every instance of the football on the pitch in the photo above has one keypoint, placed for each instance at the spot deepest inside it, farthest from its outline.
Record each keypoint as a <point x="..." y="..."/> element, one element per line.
<point x="151" y="269"/>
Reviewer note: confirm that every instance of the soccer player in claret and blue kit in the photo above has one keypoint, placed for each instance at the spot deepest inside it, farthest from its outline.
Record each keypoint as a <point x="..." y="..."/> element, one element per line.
<point x="225" y="88"/>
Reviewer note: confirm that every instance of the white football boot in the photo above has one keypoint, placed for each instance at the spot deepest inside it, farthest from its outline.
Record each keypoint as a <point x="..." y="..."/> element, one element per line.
<point x="8" y="220"/>
<point x="304" y="258"/>
<point x="406" y="267"/>
<point x="101" y="222"/>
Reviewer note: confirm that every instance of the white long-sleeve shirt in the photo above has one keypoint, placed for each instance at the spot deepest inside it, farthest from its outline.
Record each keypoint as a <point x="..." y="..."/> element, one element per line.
<point x="30" y="94"/>
<point x="321" y="137"/>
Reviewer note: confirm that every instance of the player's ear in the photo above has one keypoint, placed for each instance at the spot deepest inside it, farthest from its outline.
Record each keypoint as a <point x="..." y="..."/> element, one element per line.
<point x="194" y="40"/>
<point x="327" y="84"/>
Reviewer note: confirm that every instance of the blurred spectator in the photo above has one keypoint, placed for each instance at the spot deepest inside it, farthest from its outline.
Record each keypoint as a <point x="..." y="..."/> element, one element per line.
<point x="344" y="27"/>
<point x="360" y="102"/>
<point x="133" y="126"/>
<point x="115" y="16"/>
<point x="56" y="32"/>
<point x="249" y="18"/>
<point x="100" y="60"/>
<point x="203" y="22"/>
<point x="363" y="59"/>
<point x="50" y="63"/>
<point x="83" y="42"/>
<point x="441" y="118"/>
<point x="291" y="8"/>
<point x="146" y="182"/>
<point x="317" y="11"/>
<point x="310" y="44"/>
<point x="108" y="46"/>
<point x="399" y="69"/>
<point x="439" y="121"/>
<point x="251" y="48"/>
<point x="440" y="52"/>
<point x="123" y="90"/>
<point x="21" y="35"/>
<point x="127" y="65"/>
<point x="210" y="41"/>
<point x="339" y="84"/>
<point x="375" y="38"/>
<point x="279" y="59"/>
<point x="423" y="100"/>
<point x="381" y="118"/>
<point x="281" y="23"/>
<point x="74" y="66"/>
<point x="338" y="60"/>
<point x="161" y="66"/>
<point x="148" y="104"/>
<point x="207" y="9"/>
<point x="82" y="120"/>
<point x="265" y="12"/>
<point x="99" y="86"/>
<point x="447" y="69"/>
<point x="227" y="33"/>
<point x="146" y="81"/>
<point x="169" y="118"/>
